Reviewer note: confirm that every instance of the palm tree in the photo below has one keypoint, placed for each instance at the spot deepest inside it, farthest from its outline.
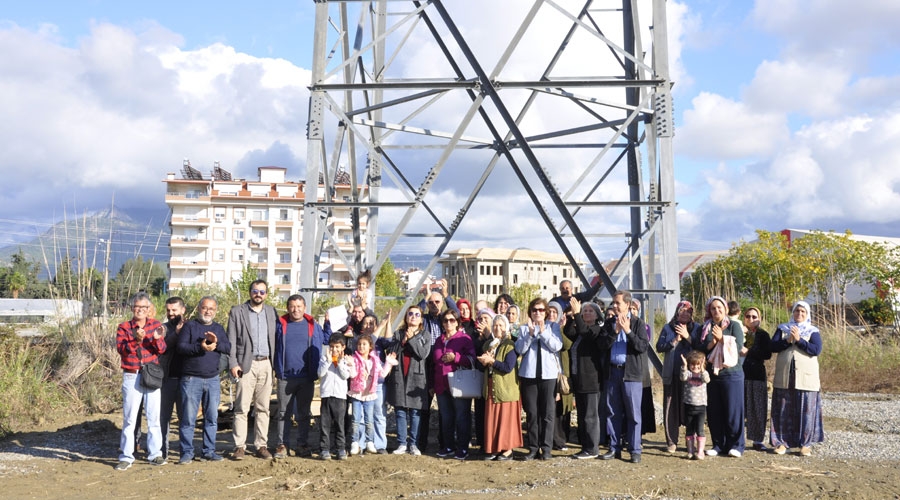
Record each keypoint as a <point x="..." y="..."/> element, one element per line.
<point x="17" y="283"/>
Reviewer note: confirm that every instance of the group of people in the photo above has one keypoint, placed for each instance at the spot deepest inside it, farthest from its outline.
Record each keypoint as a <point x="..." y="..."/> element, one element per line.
<point x="712" y="368"/>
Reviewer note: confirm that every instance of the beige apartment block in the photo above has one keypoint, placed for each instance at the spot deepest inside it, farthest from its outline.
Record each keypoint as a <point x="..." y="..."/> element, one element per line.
<point x="485" y="273"/>
<point x="220" y="224"/>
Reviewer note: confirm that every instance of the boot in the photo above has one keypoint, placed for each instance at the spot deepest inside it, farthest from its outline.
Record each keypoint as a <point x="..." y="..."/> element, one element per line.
<point x="701" y="444"/>
<point x="689" y="440"/>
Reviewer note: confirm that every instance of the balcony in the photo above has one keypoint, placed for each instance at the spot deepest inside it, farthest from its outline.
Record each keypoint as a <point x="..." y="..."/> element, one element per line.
<point x="188" y="263"/>
<point x="187" y="198"/>
<point x="187" y="242"/>
<point x="259" y="223"/>
<point x="189" y="221"/>
<point x="284" y="223"/>
<point x="284" y="243"/>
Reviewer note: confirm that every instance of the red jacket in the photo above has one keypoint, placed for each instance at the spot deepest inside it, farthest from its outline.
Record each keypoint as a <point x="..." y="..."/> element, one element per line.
<point x="127" y="345"/>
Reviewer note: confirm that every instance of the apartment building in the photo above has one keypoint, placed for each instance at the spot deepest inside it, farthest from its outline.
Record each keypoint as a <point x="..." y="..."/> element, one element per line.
<point x="220" y="224"/>
<point x="485" y="273"/>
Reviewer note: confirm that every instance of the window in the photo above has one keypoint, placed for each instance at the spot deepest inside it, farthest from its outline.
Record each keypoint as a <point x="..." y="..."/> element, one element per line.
<point x="219" y="233"/>
<point x="496" y="271"/>
<point x="240" y="213"/>
<point x="564" y="273"/>
<point x="495" y="290"/>
<point x="284" y="214"/>
<point x="219" y="213"/>
<point x="218" y="254"/>
<point x="284" y="257"/>
<point x="237" y="255"/>
<point x="515" y="279"/>
<point x="259" y="214"/>
<point x="555" y="279"/>
<point x="324" y="277"/>
<point x="481" y="289"/>
<point x="218" y="276"/>
<point x="480" y="269"/>
<point x="238" y="234"/>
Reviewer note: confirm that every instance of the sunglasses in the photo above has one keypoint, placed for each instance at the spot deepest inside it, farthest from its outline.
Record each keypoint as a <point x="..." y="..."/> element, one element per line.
<point x="257" y="292"/>
<point x="448" y="320"/>
<point x="414" y="314"/>
<point x="538" y="310"/>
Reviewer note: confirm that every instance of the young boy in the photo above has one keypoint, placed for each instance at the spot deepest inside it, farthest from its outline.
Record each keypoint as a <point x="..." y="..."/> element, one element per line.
<point x="334" y="370"/>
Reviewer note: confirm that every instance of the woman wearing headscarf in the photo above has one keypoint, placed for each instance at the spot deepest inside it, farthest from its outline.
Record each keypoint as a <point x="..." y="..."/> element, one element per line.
<point x="466" y="321"/>
<point x="503" y="407"/>
<point x="725" y="391"/>
<point x="482" y="336"/>
<point x="514" y="315"/>
<point x="796" y="401"/>
<point x="586" y="375"/>
<point x="755" y="352"/>
<point x="674" y="342"/>
<point x="565" y="403"/>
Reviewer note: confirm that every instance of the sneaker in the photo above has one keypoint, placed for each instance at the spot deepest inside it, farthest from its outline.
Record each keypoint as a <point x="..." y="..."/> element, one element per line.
<point x="281" y="451"/>
<point x="123" y="465"/>
<point x="158" y="461"/>
<point x="760" y="447"/>
<point x="461" y="455"/>
<point x="303" y="451"/>
<point x="582" y="455"/>
<point x="185" y="460"/>
<point x="712" y="452"/>
<point x="382" y="451"/>
<point x="805" y="451"/>
<point x="446" y="452"/>
<point x="342" y="455"/>
<point x="354" y="448"/>
<point x="325" y="455"/>
<point x="671" y="448"/>
<point x="212" y="457"/>
<point x="400" y="450"/>
<point x="414" y="451"/>
<point x="734" y="453"/>
<point x="263" y="453"/>
<point x="238" y="453"/>
<point x="780" y="449"/>
<point x="370" y="448"/>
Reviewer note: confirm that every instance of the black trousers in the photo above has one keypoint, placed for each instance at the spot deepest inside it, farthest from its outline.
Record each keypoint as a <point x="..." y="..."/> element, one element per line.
<point x="333" y="411"/>
<point x="539" y="402"/>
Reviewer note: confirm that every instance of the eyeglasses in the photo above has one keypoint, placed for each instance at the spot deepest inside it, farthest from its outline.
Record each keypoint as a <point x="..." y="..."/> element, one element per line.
<point x="141" y="308"/>
<point x="448" y="320"/>
<point x="414" y="314"/>
<point x="257" y="292"/>
<point x="538" y="310"/>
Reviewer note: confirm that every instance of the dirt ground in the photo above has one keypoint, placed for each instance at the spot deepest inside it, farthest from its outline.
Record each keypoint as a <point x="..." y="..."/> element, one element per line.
<point x="76" y="461"/>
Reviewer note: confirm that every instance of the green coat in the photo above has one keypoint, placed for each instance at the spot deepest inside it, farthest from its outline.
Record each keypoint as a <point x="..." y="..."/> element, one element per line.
<point x="506" y="385"/>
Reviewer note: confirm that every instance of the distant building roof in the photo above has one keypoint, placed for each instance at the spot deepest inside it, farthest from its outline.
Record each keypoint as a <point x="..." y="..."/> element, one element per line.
<point x="60" y="308"/>
<point x="518" y="255"/>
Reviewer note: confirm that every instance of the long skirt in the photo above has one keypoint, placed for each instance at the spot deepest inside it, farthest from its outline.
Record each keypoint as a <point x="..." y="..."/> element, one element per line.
<point x="502" y="424"/>
<point x="673" y="411"/>
<point x="756" y="409"/>
<point x="796" y="418"/>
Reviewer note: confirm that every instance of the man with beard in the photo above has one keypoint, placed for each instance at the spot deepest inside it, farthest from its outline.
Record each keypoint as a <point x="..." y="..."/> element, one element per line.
<point x="251" y="333"/>
<point x="200" y="344"/>
<point x="170" y="395"/>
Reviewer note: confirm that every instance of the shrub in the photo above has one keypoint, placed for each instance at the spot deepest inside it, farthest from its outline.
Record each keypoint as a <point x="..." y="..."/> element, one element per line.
<point x="877" y="311"/>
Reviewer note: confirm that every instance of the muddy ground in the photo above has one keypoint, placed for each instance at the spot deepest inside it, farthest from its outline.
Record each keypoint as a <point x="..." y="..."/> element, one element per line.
<point x="76" y="459"/>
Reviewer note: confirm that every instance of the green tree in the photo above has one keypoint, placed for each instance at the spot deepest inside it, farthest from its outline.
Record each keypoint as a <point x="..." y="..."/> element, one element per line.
<point x="523" y="294"/>
<point x="138" y="274"/>
<point x="387" y="284"/>
<point x="16" y="283"/>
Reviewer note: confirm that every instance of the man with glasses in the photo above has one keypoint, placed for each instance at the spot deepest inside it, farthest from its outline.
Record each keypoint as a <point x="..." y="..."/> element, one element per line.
<point x="200" y="346"/>
<point x="139" y="341"/>
<point x="251" y="333"/>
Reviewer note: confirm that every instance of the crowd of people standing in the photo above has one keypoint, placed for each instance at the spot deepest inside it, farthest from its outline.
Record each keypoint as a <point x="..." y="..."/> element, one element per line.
<point x="713" y="374"/>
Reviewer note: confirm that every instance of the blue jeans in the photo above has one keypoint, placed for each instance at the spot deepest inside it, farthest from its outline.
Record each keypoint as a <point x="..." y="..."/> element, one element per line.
<point x="294" y="397"/>
<point x="456" y="420"/>
<point x="132" y="396"/>
<point x="197" y="391"/>
<point x="380" y="422"/>
<point x="363" y="422"/>
<point x="407" y="417"/>
<point x="623" y="406"/>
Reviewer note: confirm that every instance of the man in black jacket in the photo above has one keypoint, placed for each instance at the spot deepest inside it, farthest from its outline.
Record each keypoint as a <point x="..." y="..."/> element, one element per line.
<point x="624" y="343"/>
<point x="200" y="344"/>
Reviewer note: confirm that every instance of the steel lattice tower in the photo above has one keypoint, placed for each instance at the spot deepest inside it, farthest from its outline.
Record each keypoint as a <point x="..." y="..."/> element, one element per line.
<point x="581" y="120"/>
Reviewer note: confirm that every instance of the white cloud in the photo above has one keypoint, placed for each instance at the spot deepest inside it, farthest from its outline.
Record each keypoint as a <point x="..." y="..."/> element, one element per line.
<point x="798" y="86"/>
<point x="723" y="129"/>
<point x="121" y="108"/>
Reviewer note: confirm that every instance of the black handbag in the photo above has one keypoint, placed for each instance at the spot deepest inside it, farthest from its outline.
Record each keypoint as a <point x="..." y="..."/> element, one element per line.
<point x="152" y="374"/>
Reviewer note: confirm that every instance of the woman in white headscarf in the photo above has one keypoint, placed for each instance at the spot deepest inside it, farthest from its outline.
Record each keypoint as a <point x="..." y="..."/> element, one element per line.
<point x="796" y="401"/>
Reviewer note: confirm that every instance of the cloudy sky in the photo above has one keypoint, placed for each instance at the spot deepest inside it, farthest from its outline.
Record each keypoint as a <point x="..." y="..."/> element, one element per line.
<point x="787" y="112"/>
